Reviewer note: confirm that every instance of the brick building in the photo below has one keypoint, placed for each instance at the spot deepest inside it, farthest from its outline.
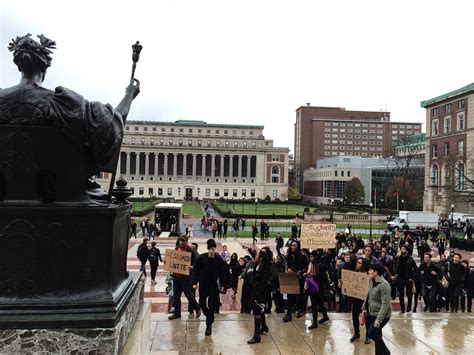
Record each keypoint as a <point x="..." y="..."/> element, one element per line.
<point x="450" y="140"/>
<point x="323" y="132"/>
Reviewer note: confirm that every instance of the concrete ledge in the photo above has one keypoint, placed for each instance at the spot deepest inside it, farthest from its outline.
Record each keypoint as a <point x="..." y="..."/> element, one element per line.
<point x="138" y="341"/>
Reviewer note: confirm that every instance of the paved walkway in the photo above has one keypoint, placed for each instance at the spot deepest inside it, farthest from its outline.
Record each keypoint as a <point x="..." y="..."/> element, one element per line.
<point x="420" y="333"/>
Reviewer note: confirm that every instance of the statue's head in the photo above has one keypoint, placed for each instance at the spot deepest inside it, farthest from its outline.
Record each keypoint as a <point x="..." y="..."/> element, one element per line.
<point x="31" y="56"/>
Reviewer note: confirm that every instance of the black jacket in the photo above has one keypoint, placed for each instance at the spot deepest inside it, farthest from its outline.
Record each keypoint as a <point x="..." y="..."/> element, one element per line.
<point x="426" y="277"/>
<point x="405" y="267"/>
<point x="208" y="271"/>
<point x="260" y="281"/>
<point x="296" y="262"/>
<point x="142" y="252"/>
<point x="154" y="255"/>
<point x="457" y="273"/>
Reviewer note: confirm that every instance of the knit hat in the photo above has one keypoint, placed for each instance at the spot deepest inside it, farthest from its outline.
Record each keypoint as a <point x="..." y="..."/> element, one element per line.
<point x="211" y="244"/>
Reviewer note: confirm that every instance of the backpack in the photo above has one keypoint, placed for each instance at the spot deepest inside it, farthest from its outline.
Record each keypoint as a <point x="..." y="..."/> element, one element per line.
<point x="142" y="252"/>
<point x="153" y="256"/>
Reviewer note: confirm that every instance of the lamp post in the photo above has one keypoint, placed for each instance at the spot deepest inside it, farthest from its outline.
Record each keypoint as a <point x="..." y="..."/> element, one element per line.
<point x="403" y="203"/>
<point x="332" y="210"/>
<point x="371" y="205"/>
<point x="398" y="210"/>
<point x="256" y="201"/>
<point x="452" y="214"/>
<point x="286" y="216"/>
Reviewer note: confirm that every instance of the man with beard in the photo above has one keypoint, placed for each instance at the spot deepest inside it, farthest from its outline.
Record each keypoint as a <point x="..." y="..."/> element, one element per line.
<point x="209" y="271"/>
<point x="405" y="268"/>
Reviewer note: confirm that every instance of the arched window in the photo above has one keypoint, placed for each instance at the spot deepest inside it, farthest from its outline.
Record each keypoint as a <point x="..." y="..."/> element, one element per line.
<point x="460" y="178"/>
<point x="435" y="175"/>
<point x="275" y="174"/>
<point x="447" y="174"/>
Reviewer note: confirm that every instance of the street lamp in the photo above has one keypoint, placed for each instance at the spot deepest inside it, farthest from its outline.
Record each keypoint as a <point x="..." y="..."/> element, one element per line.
<point x="452" y="214"/>
<point x="286" y="216"/>
<point x="256" y="201"/>
<point x="332" y="210"/>
<point x="371" y="205"/>
<point x="403" y="203"/>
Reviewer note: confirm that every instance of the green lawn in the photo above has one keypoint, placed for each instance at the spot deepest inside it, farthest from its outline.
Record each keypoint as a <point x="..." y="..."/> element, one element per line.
<point x="141" y="206"/>
<point x="193" y="208"/>
<point x="261" y="209"/>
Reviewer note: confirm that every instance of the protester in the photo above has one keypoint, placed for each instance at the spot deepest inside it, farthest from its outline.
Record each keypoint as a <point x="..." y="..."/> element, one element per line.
<point x="456" y="277"/>
<point x="315" y="284"/>
<point x="362" y="265"/>
<point x="210" y="270"/>
<point x="377" y="308"/>
<point x="154" y="257"/>
<point x="405" y="269"/>
<point x="142" y="255"/>
<point x="296" y="263"/>
<point x="260" y="282"/>
<point x="182" y="283"/>
<point x="429" y="277"/>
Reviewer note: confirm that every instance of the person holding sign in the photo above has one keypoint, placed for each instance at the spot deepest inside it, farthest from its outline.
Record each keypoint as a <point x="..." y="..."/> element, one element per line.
<point x="260" y="281"/>
<point x="362" y="265"/>
<point x="209" y="271"/>
<point x="296" y="263"/>
<point x="377" y="307"/>
<point x="182" y="283"/>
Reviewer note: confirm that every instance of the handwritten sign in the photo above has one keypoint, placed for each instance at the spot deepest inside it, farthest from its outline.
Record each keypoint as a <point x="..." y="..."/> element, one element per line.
<point x="355" y="284"/>
<point x="238" y="293"/>
<point x="318" y="236"/>
<point x="177" y="261"/>
<point x="289" y="283"/>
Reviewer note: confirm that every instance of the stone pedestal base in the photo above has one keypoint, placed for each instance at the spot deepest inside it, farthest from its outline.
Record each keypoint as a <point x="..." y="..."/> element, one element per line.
<point x="139" y="340"/>
<point x="77" y="340"/>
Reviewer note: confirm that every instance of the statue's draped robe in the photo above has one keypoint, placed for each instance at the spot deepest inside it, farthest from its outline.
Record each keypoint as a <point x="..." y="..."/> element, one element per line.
<point x="91" y="127"/>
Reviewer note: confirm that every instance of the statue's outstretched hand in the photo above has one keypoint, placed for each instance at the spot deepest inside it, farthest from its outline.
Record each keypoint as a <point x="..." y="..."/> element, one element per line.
<point x="133" y="88"/>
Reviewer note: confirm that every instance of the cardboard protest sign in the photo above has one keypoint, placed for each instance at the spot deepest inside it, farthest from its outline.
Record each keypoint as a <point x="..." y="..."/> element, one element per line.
<point x="289" y="283"/>
<point x="318" y="236"/>
<point x="238" y="294"/>
<point x="177" y="261"/>
<point x="355" y="284"/>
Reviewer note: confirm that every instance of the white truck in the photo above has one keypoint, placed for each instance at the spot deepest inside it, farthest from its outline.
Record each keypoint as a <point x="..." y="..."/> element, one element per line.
<point x="413" y="219"/>
<point x="170" y="216"/>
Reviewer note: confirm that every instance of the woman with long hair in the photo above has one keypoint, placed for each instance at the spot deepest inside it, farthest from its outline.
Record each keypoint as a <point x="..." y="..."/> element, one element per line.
<point x="362" y="265"/>
<point x="260" y="283"/>
<point x="315" y="283"/>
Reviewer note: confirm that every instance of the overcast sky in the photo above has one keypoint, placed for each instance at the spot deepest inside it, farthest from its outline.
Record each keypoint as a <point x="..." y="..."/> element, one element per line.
<point x="251" y="62"/>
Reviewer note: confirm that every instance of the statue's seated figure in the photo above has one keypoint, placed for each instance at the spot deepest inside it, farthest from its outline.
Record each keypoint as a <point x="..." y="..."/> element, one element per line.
<point x="52" y="165"/>
<point x="58" y="245"/>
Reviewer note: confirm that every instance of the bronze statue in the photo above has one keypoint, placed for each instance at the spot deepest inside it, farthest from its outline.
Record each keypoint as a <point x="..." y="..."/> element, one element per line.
<point x="91" y="127"/>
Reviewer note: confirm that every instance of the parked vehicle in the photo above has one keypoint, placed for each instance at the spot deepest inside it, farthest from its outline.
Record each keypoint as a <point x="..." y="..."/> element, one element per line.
<point x="413" y="219"/>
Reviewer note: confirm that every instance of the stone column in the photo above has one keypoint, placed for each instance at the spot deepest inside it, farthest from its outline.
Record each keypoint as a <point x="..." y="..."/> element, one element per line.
<point x="165" y="169"/>
<point x="204" y="165"/>
<point x="222" y="168"/>
<point x="248" y="165"/>
<point x="231" y="166"/>
<point x="213" y="166"/>
<point x="147" y="164"/>
<point x="194" y="166"/>
<point x="239" y="171"/>
<point x="157" y="155"/>
<point x="127" y="171"/>
<point x="185" y="168"/>
<point x="175" y="166"/>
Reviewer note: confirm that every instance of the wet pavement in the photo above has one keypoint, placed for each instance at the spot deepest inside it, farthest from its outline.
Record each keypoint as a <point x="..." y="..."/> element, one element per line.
<point x="421" y="333"/>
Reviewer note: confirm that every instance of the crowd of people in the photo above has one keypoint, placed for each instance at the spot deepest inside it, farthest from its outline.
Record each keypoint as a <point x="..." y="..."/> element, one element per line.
<point x="441" y="285"/>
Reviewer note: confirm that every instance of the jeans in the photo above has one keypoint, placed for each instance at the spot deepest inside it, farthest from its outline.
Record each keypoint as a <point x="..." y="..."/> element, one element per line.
<point x="142" y="266"/>
<point x="401" y="286"/>
<point x="209" y="304"/>
<point x="182" y="284"/>
<point x="154" y="269"/>
<point x="376" y="334"/>
<point x="429" y="296"/>
<point x="454" y="294"/>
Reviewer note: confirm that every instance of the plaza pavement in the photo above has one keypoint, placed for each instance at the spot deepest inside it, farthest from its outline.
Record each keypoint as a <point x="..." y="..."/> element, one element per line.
<point x="419" y="333"/>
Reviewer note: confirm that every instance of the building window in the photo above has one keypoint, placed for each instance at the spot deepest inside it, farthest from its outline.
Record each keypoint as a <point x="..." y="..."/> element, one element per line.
<point x="226" y="144"/>
<point x="162" y="141"/>
<point x="435" y="112"/>
<point x="252" y="193"/>
<point x="142" y="141"/>
<point x="190" y="143"/>
<point x="226" y="192"/>
<point x="460" y="121"/>
<point x="160" y="191"/>
<point x="342" y="173"/>
<point x="199" y="143"/>
<point x="348" y="173"/>
<point x="435" y="175"/>
<point x="216" y="193"/>
<point x="254" y="144"/>
<point x="275" y="157"/>
<point x="208" y="192"/>
<point x="141" y="190"/>
<point x="199" y="131"/>
<point x="172" y="130"/>
<point x="218" y="144"/>
<point x="447" y="108"/>
<point x="145" y="129"/>
<point x="170" y="142"/>
<point x="234" y="192"/>
<point x="434" y="128"/>
<point x="163" y="129"/>
<point x="190" y="131"/>
<point x="275" y="174"/>
<point x="136" y="129"/>
<point x="180" y="142"/>
<point x="447" y="125"/>
<point x="460" y="147"/>
<point x="152" y="141"/>
<point x="461" y="104"/>
<point x="460" y="178"/>
<point x="335" y="172"/>
<point x="434" y="151"/>
<point x="217" y="132"/>
<point x="236" y="144"/>
<point x="446" y="149"/>
<point x="150" y="191"/>
<point x="275" y="193"/>
<point x="181" y="131"/>
<point x="169" y="191"/>
<point x="127" y="128"/>
<point x="208" y="143"/>
<point x="244" y="144"/>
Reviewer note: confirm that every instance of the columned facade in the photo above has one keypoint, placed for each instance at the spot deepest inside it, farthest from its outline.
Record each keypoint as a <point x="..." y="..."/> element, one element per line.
<point x="217" y="161"/>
